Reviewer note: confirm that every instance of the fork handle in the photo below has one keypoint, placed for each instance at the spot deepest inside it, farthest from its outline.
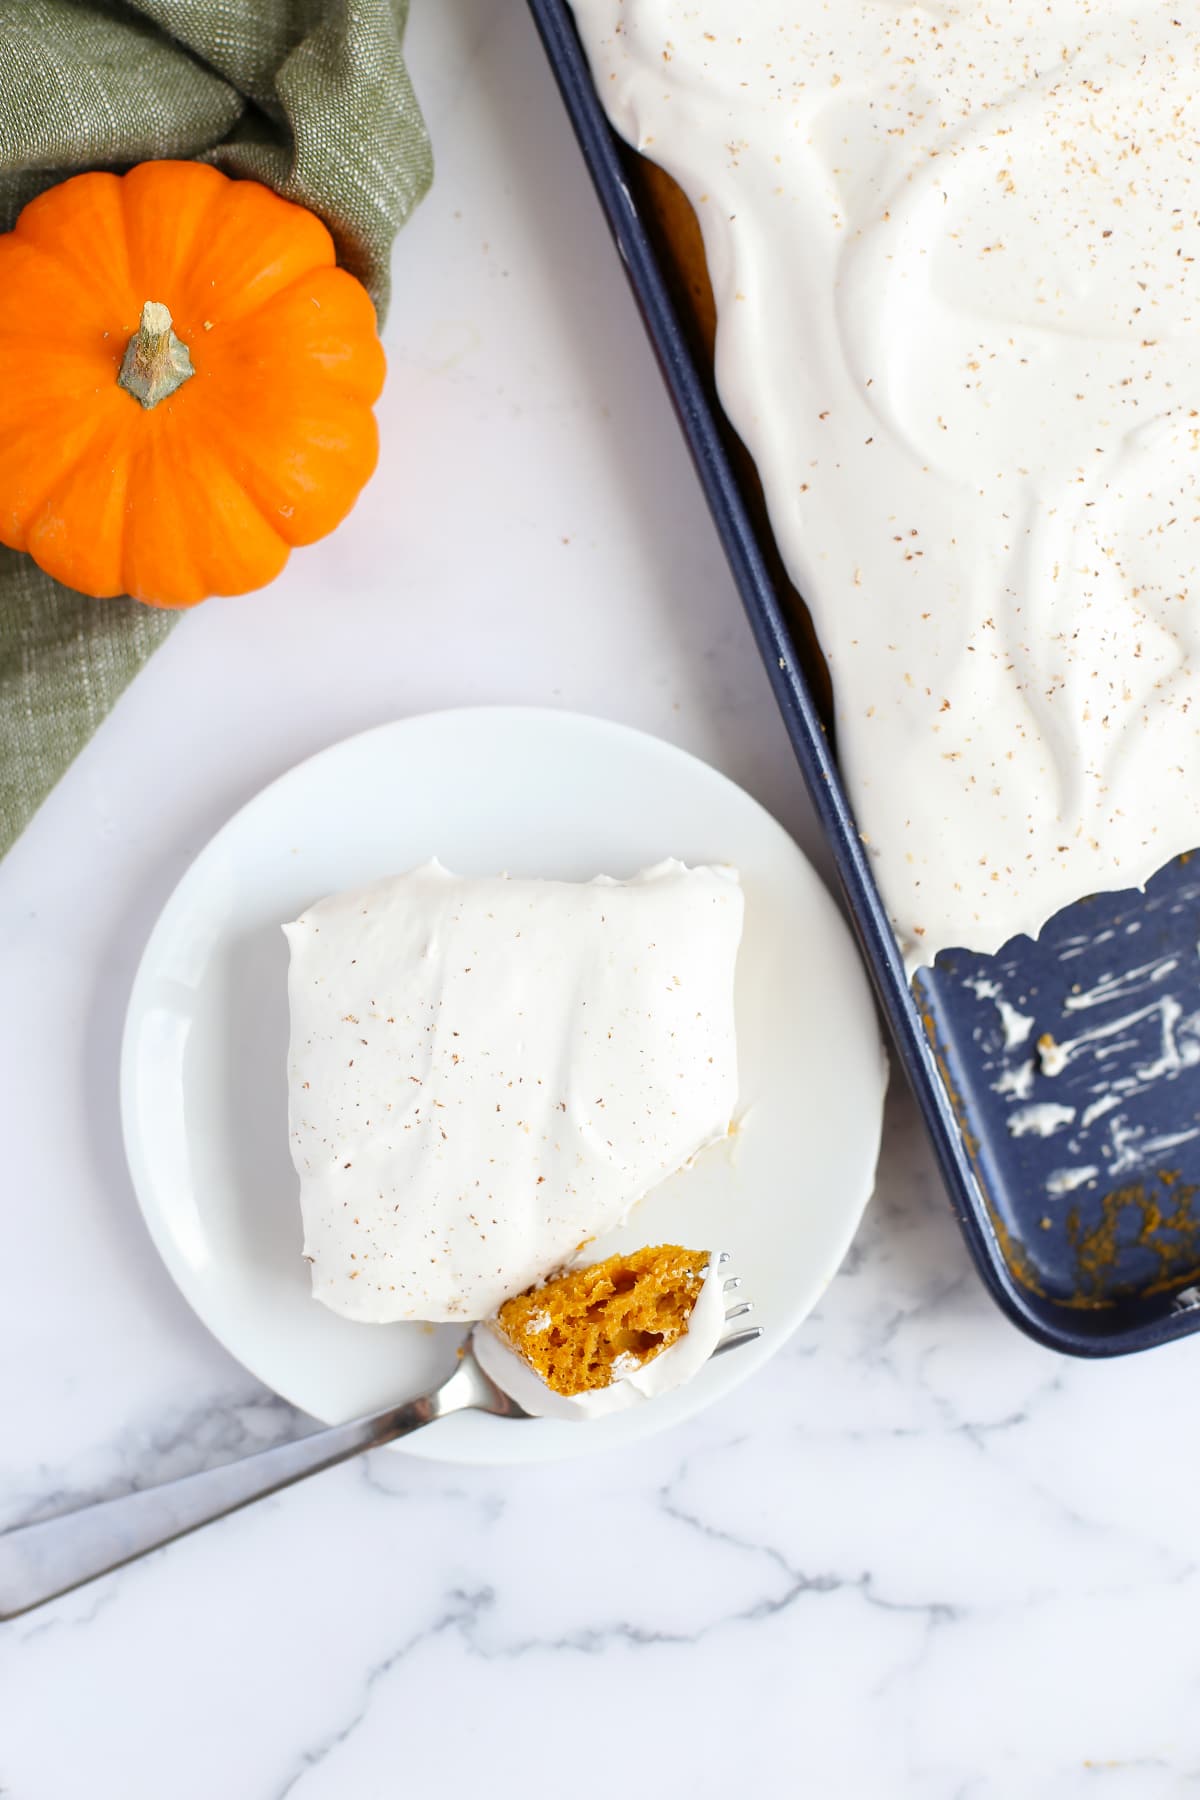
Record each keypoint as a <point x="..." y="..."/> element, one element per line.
<point x="52" y="1556"/>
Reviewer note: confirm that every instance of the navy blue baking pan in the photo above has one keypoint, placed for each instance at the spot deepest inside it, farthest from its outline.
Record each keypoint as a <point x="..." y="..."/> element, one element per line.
<point x="1059" y="1079"/>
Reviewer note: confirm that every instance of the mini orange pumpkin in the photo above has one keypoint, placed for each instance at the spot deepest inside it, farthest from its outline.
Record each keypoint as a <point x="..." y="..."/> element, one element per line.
<point x="186" y="383"/>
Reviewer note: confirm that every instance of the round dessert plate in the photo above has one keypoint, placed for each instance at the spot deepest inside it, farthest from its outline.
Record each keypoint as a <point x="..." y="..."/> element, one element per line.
<point x="529" y="792"/>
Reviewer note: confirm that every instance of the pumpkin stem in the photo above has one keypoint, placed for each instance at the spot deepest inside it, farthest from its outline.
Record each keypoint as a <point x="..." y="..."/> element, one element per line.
<point x="155" y="362"/>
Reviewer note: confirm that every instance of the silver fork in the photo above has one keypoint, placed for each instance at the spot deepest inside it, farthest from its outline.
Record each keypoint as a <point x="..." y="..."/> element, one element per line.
<point x="49" y="1557"/>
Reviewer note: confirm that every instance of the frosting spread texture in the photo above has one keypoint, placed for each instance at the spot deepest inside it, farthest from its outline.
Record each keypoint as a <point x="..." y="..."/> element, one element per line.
<point x="483" y="1074"/>
<point x="953" y="252"/>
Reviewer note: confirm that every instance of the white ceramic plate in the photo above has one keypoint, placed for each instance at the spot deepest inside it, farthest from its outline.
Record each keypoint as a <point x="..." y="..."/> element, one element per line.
<point x="203" y="1077"/>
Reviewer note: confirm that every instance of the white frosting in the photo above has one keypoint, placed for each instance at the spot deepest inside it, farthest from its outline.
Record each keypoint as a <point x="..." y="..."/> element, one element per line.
<point x="638" y="1381"/>
<point x="1041" y="1118"/>
<point x="952" y="251"/>
<point x="484" y="1074"/>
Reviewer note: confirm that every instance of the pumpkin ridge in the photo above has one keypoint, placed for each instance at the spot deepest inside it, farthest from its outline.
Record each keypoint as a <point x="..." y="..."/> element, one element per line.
<point x="68" y="570"/>
<point x="267" y="515"/>
<point x="204" y="563"/>
<point x="251" y="481"/>
<point x="351" y="440"/>
<point x="284" y="236"/>
<point x="358" y="367"/>
<point x="61" y="475"/>
<point x="101" y="277"/>
<point x="55" y="267"/>
<point x="284" y="293"/>
<point x="198" y="215"/>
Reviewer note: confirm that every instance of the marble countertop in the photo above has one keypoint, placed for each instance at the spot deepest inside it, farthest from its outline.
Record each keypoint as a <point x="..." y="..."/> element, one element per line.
<point x="917" y="1556"/>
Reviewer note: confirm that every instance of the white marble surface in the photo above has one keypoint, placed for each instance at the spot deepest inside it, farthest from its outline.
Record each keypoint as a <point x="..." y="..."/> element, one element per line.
<point x="918" y="1556"/>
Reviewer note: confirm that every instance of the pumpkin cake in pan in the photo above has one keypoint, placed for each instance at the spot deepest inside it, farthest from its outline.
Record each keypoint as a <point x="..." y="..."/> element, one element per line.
<point x="960" y="350"/>
<point x="1074" y="1172"/>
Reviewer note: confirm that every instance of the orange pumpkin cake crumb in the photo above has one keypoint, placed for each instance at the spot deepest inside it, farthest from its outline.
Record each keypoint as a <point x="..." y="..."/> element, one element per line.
<point x="591" y="1327"/>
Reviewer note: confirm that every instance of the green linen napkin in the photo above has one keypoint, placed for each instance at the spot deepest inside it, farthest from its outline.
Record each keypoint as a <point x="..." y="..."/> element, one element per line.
<point x="309" y="96"/>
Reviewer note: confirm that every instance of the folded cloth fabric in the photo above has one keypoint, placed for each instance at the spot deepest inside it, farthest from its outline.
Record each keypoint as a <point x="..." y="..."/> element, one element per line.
<point x="311" y="97"/>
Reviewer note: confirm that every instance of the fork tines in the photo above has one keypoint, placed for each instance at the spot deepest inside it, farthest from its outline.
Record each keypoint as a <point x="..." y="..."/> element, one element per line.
<point x="738" y="1310"/>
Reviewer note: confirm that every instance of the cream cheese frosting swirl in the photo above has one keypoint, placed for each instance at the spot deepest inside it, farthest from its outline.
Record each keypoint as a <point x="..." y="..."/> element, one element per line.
<point x="953" y="250"/>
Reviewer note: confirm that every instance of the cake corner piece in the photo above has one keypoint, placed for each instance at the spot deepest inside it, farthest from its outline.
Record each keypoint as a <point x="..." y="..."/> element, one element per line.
<point x="483" y="1073"/>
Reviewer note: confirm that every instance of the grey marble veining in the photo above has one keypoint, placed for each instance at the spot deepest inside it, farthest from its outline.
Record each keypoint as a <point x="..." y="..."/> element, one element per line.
<point x="910" y="1529"/>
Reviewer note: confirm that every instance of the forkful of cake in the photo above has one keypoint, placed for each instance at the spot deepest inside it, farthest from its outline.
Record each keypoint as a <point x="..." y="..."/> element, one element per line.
<point x="590" y="1341"/>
